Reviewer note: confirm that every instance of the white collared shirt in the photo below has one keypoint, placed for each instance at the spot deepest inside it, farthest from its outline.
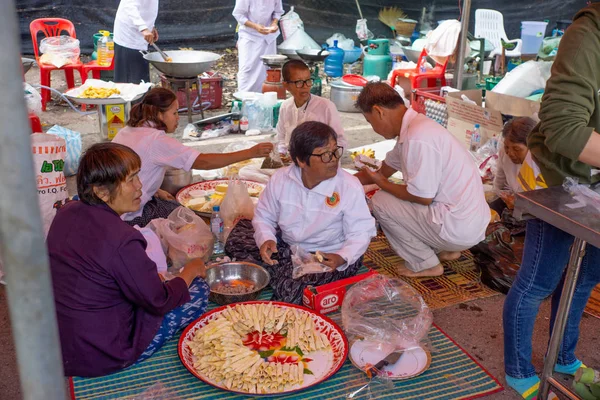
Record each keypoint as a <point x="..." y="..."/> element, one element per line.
<point x="261" y="12"/>
<point x="332" y="217"/>
<point x="133" y="16"/>
<point x="316" y="109"/>
<point x="506" y="176"/>
<point x="435" y="165"/>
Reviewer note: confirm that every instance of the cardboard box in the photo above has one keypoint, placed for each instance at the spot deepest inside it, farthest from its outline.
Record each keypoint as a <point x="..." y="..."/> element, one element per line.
<point x="462" y="115"/>
<point x="329" y="297"/>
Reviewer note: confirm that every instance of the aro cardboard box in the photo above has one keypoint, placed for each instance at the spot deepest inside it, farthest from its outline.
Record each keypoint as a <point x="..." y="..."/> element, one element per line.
<point x="462" y="115"/>
<point x="329" y="297"/>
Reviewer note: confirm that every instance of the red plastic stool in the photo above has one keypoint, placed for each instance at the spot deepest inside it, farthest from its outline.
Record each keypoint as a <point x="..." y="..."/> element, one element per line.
<point x="416" y="77"/>
<point x="36" y="124"/>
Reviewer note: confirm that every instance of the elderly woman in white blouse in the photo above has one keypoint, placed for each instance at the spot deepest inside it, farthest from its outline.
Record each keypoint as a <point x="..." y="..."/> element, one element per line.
<point x="313" y="204"/>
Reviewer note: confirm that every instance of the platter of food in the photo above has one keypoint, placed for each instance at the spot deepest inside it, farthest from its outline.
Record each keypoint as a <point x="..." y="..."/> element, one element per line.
<point x="98" y="92"/>
<point x="263" y="347"/>
<point x="203" y="196"/>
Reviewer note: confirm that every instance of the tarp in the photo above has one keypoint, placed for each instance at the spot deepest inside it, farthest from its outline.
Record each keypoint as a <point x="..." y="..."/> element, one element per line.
<point x="208" y="24"/>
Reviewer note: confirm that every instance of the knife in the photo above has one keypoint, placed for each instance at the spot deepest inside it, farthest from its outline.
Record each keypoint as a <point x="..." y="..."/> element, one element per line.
<point x="390" y="359"/>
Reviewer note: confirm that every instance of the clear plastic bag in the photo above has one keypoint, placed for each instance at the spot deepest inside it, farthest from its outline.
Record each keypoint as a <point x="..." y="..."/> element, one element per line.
<point x="33" y="99"/>
<point x="187" y="235"/>
<point x="156" y="249"/>
<point x="74" y="145"/>
<point x="59" y="50"/>
<point x="306" y="263"/>
<point x="362" y="31"/>
<point x="236" y="205"/>
<point x="582" y="194"/>
<point x="386" y="310"/>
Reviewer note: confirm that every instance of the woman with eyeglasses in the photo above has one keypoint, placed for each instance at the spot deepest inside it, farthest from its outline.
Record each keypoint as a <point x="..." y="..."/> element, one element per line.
<point x="303" y="106"/>
<point x="313" y="204"/>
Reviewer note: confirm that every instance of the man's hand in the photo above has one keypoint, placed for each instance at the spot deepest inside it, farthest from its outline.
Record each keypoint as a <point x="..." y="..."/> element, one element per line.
<point x="148" y="36"/>
<point x="164" y="195"/>
<point x="155" y="34"/>
<point x="261" y="150"/>
<point x="266" y="251"/>
<point x="377" y="177"/>
<point x="333" y="261"/>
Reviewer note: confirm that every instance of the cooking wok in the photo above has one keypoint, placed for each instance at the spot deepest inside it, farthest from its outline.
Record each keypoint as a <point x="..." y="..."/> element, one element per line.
<point x="185" y="64"/>
<point x="312" y="55"/>
<point x="291" y="54"/>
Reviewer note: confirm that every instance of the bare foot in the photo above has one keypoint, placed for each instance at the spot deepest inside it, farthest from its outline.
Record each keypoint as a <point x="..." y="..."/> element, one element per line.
<point x="449" y="255"/>
<point x="438" y="270"/>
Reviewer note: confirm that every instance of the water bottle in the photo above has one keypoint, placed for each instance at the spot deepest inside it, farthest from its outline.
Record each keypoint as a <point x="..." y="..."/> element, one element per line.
<point x="106" y="49"/>
<point x="334" y="63"/>
<point x="494" y="142"/>
<point x="216" y="227"/>
<point x="235" y="118"/>
<point x="423" y="67"/>
<point x="475" y="139"/>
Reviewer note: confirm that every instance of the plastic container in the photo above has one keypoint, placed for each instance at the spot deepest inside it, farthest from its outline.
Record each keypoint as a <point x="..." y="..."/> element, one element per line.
<point x="216" y="227"/>
<point x="334" y="63"/>
<point x="475" y="139"/>
<point x="106" y="49"/>
<point x="237" y="113"/>
<point x="532" y="35"/>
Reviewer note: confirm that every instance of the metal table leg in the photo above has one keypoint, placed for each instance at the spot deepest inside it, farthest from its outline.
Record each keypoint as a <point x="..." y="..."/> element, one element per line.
<point x="564" y="307"/>
<point x="189" y="102"/>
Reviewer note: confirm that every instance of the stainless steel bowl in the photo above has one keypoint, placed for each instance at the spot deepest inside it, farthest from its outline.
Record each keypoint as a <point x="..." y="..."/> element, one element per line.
<point x="230" y="271"/>
<point x="185" y="63"/>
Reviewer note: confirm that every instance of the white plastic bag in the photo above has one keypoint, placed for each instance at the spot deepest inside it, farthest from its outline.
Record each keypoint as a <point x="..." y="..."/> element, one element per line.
<point x="290" y="23"/>
<point x="154" y="247"/>
<point x="362" y="31"/>
<point x="236" y="205"/>
<point x="525" y="79"/>
<point x="59" y="50"/>
<point x="306" y="263"/>
<point x="33" y="99"/>
<point x="442" y="41"/>
<point x="49" y="153"/>
<point x="187" y="236"/>
<point x="298" y="41"/>
<point x="73" y="142"/>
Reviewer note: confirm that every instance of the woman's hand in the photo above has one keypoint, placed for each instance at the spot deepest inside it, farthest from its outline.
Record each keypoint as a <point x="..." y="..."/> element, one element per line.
<point x="193" y="269"/>
<point x="332" y="260"/>
<point x="266" y="251"/>
<point x="148" y="36"/>
<point x="261" y="150"/>
<point x="155" y="35"/>
<point x="164" y="195"/>
<point x="264" y="29"/>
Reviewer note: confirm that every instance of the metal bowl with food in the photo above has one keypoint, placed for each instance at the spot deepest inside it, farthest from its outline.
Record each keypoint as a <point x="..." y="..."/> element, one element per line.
<point x="232" y="282"/>
<point x="184" y="63"/>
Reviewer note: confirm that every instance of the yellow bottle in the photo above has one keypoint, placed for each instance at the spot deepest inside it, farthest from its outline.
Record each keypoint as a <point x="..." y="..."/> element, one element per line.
<point x="106" y="49"/>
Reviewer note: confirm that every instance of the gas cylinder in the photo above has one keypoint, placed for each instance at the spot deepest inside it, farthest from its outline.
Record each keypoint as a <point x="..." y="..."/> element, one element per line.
<point x="377" y="59"/>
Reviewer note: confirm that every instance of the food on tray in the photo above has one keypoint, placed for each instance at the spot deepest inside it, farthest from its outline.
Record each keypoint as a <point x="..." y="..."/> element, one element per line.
<point x="98" y="93"/>
<point x="367" y="152"/>
<point x="210" y="198"/>
<point x="319" y="256"/>
<point x="362" y="161"/>
<point x="236" y="286"/>
<point x="257" y="348"/>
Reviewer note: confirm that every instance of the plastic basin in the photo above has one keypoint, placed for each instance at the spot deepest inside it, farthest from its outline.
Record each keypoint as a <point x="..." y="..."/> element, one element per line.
<point x="351" y="56"/>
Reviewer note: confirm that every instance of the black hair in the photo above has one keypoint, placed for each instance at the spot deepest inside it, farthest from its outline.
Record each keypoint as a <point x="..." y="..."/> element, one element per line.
<point x="516" y="130"/>
<point x="290" y="65"/>
<point x="378" y="94"/>
<point x="104" y="165"/>
<point x="307" y="137"/>
<point x="155" y="101"/>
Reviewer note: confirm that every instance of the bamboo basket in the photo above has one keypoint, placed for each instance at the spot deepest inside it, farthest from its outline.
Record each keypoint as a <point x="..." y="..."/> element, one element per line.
<point x="405" y="27"/>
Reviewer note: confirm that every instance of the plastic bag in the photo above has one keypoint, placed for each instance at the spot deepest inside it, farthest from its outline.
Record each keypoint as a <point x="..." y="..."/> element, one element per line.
<point x="525" y="79"/>
<point x="73" y="142"/>
<point x="236" y="205"/>
<point x="187" y="236"/>
<point x="386" y="310"/>
<point x="442" y="41"/>
<point x="582" y="194"/>
<point x="59" y="50"/>
<point x="298" y="41"/>
<point x="33" y="99"/>
<point x="343" y="42"/>
<point x="362" y="31"/>
<point x="306" y="263"/>
<point x="155" y="248"/>
<point x="290" y="23"/>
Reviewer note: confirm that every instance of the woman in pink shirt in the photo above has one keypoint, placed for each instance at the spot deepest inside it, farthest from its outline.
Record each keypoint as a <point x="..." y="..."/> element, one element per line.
<point x="147" y="133"/>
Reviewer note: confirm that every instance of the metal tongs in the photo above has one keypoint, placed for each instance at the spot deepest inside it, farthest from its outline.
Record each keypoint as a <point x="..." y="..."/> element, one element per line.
<point x="162" y="53"/>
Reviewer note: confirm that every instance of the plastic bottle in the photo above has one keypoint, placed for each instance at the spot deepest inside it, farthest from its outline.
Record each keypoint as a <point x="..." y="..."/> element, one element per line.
<point x="475" y="139"/>
<point x="423" y="67"/>
<point x="235" y="118"/>
<point x="216" y="227"/>
<point x="106" y="49"/>
<point x="334" y="63"/>
<point x="494" y="142"/>
<point x="244" y="124"/>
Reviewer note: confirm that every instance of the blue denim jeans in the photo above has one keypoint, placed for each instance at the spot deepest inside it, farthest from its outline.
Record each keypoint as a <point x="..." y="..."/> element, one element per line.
<point x="545" y="258"/>
<point x="180" y="317"/>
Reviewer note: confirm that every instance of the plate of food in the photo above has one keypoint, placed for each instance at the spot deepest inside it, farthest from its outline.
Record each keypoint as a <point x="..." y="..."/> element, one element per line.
<point x="203" y="196"/>
<point x="98" y="92"/>
<point x="409" y="363"/>
<point x="263" y="348"/>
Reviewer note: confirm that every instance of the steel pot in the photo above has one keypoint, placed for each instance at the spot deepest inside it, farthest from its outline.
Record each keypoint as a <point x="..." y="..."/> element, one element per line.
<point x="176" y="179"/>
<point x="344" y="96"/>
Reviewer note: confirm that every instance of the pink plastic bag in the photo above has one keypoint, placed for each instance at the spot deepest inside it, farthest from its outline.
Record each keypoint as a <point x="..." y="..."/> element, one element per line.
<point x="236" y="205"/>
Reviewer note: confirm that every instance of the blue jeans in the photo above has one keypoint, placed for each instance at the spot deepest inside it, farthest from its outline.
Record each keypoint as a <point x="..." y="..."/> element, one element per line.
<point x="545" y="258"/>
<point x="180" y="317"/>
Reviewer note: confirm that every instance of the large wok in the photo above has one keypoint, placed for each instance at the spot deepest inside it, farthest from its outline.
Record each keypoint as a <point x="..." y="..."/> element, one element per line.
<point x="186" y="63"/>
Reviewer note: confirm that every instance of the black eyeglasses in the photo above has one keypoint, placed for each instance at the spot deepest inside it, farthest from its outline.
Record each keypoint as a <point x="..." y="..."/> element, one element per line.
<point x="328" y="155"/>
<point x="301" y="83"/>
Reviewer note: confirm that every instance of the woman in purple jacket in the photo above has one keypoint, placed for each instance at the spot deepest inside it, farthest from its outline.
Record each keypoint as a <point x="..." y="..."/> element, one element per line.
<point x="112" y="307"/>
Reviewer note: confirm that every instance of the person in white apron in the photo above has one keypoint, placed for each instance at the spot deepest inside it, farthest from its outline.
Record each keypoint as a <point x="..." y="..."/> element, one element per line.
<point x="257" y="37"/>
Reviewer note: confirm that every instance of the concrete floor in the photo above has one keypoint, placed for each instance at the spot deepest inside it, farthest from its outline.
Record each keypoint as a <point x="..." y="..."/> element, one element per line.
<point x="475" y="326"/>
